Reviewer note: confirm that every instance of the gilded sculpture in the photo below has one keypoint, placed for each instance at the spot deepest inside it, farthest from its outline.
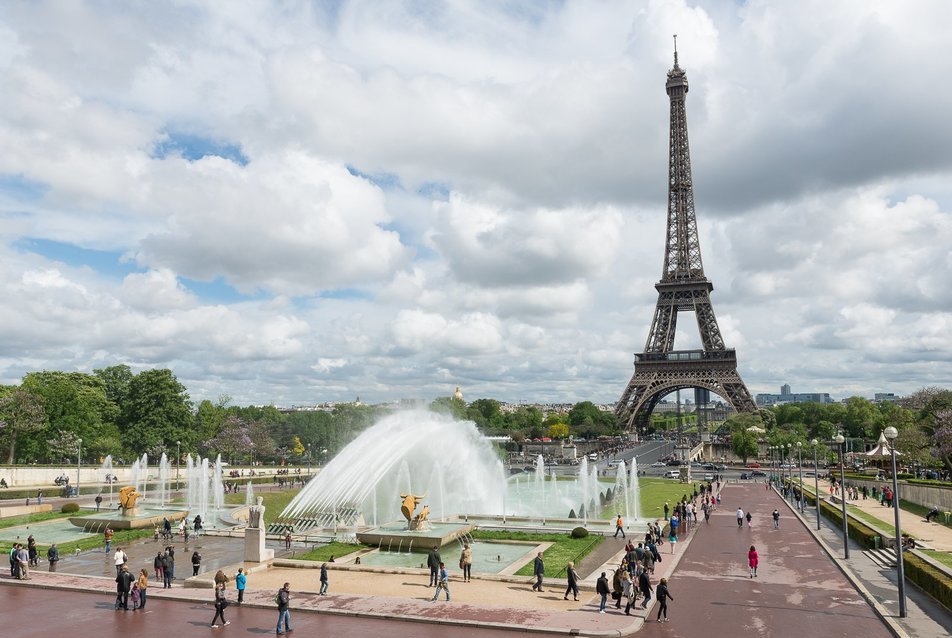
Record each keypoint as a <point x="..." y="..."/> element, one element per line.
<point x="410" y="502"/>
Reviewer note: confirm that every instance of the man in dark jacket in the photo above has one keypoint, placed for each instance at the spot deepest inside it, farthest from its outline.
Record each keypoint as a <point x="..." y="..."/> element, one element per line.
<point x="284" y="607"/>
<point x="433" y="561"/>
<point x="539" y="571"/>
<point x="123" y="585"/>
<point x="601" y="588"/>
<point x="52" y="555"/>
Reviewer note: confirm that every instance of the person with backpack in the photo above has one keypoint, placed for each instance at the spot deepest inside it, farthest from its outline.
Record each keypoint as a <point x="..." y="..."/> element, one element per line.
<point x="283" y="600"/>
<point x="196" y="562"/>
<point x="220" y="603"/>
<point x="663" y="595"/>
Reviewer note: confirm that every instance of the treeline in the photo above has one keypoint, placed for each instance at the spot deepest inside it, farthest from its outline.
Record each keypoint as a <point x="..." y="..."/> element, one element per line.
<point x="923" y="420"/>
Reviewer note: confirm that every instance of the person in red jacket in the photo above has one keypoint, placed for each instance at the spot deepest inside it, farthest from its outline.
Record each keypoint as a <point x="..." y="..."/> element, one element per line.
<point x="752" y="561"/>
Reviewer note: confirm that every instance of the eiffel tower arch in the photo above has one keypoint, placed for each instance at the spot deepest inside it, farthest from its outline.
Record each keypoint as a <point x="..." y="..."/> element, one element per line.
<point x="660" y="369"/>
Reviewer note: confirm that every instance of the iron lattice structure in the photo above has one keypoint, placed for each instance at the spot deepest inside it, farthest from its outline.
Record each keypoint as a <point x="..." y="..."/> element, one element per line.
<point x="661" y="369"/>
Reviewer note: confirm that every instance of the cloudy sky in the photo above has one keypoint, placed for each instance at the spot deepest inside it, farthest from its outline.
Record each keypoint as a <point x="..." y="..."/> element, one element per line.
<point x="293" y="202"/>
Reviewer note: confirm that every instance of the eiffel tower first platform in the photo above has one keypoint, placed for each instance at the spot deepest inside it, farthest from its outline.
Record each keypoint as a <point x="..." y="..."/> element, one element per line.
<point x="660" y="369"/>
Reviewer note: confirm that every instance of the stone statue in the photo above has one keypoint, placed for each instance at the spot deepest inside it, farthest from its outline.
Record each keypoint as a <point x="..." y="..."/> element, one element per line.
<point x="410" y="502"/>
<point x="127" y="497"/>
<point x="256" y="513"/>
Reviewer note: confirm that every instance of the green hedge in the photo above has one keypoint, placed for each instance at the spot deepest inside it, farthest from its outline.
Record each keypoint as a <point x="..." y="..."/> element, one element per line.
<point x="856" y="529"/>
<point x="930" y="483"/>
<point x="929" y="579"/>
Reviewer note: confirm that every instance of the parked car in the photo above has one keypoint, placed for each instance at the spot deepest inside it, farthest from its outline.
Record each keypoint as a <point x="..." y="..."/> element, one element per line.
<point x="672" y="474"/>
<point x="744" y="476"/>
<point x="753" y="465"/>
<point x="708" y="477"/>
<point x="659" y="464"/>
<point x="757" y="473"/>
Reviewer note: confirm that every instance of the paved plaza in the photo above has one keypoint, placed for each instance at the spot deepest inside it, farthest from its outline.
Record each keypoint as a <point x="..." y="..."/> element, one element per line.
<point x="798" y="585"/>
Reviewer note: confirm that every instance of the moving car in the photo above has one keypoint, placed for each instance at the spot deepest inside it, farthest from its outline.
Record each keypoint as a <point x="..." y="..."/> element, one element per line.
<point x="672" y="474"/>
<point x="757" y="473"/>
<point x="708" y="477"/>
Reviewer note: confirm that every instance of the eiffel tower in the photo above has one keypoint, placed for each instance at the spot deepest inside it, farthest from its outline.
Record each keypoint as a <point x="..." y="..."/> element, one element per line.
<point x="660" y="369"/>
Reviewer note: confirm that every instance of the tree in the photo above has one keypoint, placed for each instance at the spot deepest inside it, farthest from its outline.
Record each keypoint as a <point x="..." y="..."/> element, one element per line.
<point x="863" y="419"/>
<point x="942" y="436"/>
<point x="744" y="444"/>
<point x="232" y="441"/>
<point x="115" y="381"/>
<point x="157" y="412"/>
<point x="450" y="406"/>
<point x="21" y="412"/>
<point x="558" y="431"/>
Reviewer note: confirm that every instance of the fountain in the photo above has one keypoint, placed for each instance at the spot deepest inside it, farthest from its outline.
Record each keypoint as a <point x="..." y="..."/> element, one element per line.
<point x="249" y="494"/>
<point x="105" y="473"/>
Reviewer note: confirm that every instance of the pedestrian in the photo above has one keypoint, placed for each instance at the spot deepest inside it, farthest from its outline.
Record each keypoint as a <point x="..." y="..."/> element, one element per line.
<point x="749" y="517"/>
<point x="157" y="565"/>
<point x="601" y="588"/>
<point x="627" y="592"/>
<point x="433" y="561"/>
<point x="443" y="584"/>
<point x="673" y="534"/>
<point x="220" y="603"/>
<point x="644" y="584"/>
<point x="52" y="555"/>
<point x="98" y="500"/>
<point x="776" y="519"/>
<point x="287" y="539"/>
<point x="752" y="561"/>
<point x="119" y="559"/>
<point x="166" y="571"/>
<point x="170" y="551"/>
<point x="107" y="535"/>
<point x="572" y="577"/>
<point x="667" y="508"/>
<point x="39" y="497"/>
<point x="538" y="568"/>
<point x="283" y="599"/>
<point x="123" y="585"/>
<point x="198" y="525"/>
<point x="663" y="595"/>
<point x="23" y="557"/>
<point x="134" y="596"/>
<point x="32" y="552"/>
<point x="619" y="526"/>
<point x="240" y="582"/>
<point x="143" y="584"/>
<point x="196" y="562"/>
<point x="740" y="517"/>
<point x="324" y="581"/>
<point x="466" y="563"/>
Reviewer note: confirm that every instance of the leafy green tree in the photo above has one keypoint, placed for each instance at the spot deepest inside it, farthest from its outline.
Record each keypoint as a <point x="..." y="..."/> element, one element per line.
<point x="862" y="419"/>
<point x="558" y="431"/>
<point x="115" y="382"/>
<point x="744" y="443"/>
<point x="21" y="412"/>
<point x="157" y="413"/>
<point x="450" y="406"/>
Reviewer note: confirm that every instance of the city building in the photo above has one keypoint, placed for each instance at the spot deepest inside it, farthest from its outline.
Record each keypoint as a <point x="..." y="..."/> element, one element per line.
<point x="788" y="396"/>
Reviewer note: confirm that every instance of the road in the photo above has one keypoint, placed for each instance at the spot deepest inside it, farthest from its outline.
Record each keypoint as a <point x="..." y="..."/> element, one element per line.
<point x="38" y="613"/>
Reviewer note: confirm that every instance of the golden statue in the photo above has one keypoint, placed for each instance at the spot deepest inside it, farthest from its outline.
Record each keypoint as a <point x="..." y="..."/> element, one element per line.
<point x="410" y="502"/>
<point x="127" y="497"/>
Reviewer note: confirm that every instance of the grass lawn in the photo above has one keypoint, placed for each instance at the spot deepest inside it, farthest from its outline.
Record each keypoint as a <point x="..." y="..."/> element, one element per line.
<point x="655" y="491"/>
<point x="943" y="557"/>
<point x="325" y="553"/>
<point x="26" y="519"/>
<point x="274" y="502"/>
<point x="564" y="549"/>
<point x="120" y="537"/>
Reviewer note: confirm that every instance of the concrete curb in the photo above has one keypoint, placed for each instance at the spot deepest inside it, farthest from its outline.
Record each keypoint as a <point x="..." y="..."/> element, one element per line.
<point x="843" y="566"/>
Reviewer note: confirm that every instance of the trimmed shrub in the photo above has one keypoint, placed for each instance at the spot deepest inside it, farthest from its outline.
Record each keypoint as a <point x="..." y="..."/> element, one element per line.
<point x="579" y="532"/>
<point x="70" y="508"/>
<point x="932" y="581"/>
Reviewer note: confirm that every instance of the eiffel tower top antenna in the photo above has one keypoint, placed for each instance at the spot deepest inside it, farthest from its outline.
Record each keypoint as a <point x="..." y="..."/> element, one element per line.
<point x="675" y="50"/>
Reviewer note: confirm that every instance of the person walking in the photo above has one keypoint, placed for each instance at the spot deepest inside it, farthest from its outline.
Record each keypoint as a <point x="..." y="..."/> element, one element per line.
<point x="119" y="559"/>
<point x="287" y="540"/>
<point x="663" y="595"/>
<point x="433" y="561"/>
<point x="644" y="584"/>
<point x="52" y="555"/>
<point x="627" y="591"/>
<point x="752" y="560"/>
<point x="572" y="577"/>
<point x="241" y="582"/>
<point x="443" y="584"/>
<point x="32" y="551"/>
<point x="23" y="558"/>
<point x="673" y="532"/>
<point x="170" y="552"/>
<point x="466" y="563"/>
<point x="601" y="588"/>
<point x="166" y="571"/>
<point x="740" y="517"/>
<point x="538" y="568"/>
<point x="220" y="603"/>
<point x="107" y="535"/>
<point x="123" y="585"/>
<point x="143" y="584"/>
<point x="749" y="517"/>
<point x="196" y="562"/>
<point x="323" y="591"/>
<point x="98" y="500"/>
<point x="283" y="599"/>
<point x="776" y="519"/>
<point x="619" y="527"/>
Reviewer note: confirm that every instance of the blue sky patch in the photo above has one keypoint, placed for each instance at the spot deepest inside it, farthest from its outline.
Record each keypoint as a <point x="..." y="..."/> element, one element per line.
<point x="195" y="147"/>
<point x="385" y="181"/>
<point x="435" y="190"/>
<point x="217" y="291"/>
<point x="105" y="262"/>
<point x="22" y="189"/>
<point x="346" y="293"/>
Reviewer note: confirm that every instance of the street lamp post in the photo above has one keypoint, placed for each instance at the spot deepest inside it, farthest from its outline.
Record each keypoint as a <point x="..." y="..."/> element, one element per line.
<point x="308" y="460"/>
<point x="178" y="461"/>
<point x="79" y="463"/>
<point x="839" y="440"/>
<point x="891" y="434"/>
<point x="790" y="471"/>
<point x="816" y="483"/>
<point x="800" y="471"/>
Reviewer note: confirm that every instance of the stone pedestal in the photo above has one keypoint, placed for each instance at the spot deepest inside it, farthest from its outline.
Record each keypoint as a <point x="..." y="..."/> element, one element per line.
<point x="255" y="551"/>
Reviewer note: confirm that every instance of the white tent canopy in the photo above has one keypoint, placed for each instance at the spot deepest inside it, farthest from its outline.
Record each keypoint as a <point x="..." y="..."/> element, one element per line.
<point x="882" y="449"/>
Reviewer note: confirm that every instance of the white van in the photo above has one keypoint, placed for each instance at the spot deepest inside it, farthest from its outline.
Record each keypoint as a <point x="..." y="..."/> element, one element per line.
<point x="673" y="474"/>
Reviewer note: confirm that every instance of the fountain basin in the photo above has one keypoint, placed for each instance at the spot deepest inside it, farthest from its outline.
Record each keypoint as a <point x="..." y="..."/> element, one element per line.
<point x="145" y="518"/>
<point x="397" y="535"/>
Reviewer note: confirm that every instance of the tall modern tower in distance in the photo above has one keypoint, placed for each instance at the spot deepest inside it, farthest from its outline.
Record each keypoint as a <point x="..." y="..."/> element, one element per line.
<point x="661" y="369"/>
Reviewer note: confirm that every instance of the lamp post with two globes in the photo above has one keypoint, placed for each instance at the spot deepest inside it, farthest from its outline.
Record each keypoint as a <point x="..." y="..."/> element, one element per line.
<point x="816" y="483"/>
<point x="891" y="433"/>
<point x="840" y="440"/>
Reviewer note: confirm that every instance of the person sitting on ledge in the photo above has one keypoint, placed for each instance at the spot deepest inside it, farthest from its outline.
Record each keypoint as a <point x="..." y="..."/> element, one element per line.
<point x="933" y="513"/>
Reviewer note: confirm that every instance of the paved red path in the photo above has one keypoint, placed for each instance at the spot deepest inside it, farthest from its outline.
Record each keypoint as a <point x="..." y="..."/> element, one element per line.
<point x="36" y="613"/>
<point x="799" y="591"/>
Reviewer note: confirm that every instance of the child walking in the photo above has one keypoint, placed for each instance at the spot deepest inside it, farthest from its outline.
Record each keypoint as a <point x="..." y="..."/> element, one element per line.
<point x="752" y="561"/>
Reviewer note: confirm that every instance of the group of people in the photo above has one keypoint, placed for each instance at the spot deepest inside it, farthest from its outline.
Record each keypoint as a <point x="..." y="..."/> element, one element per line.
<point x="25" y="557"/>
